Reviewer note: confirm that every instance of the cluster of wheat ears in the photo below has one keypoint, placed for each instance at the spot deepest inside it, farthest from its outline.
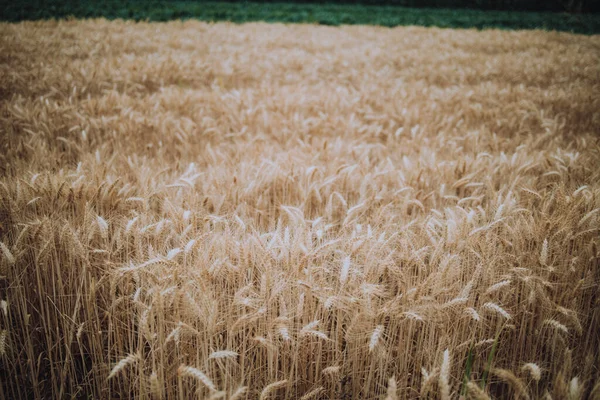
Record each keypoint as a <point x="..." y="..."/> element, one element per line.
<point x="270" y="211"/>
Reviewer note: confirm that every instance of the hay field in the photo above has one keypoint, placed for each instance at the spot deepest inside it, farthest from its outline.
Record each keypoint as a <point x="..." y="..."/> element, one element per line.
<point x="269" y="211"/>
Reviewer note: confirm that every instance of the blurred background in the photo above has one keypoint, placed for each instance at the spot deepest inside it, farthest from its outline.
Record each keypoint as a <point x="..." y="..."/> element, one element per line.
<point x="578" y="16"/>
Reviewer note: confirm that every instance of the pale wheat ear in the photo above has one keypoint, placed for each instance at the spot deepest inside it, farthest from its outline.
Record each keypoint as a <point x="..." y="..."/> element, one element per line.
<point x="222" y="354"/>
<point x="122" y="364"/>
<point x="476" y="392"/>
<point x="313" y="394"/>
<point x="187" y="371"/>
<point x="556" y="325"/>
<point x="497" y="309"/>
<point x="392" y="389"/>
<point x="575" y="389"/>
<point x="517" y="385"/>
<point x="428" y="381"/>
<point x="375" y="337"/>
<point x="8" y="256"/>
<point x="345" y="270"/>
<point x="534" y="371"/>
<point x="331" y="371"/>
<point x="239" y="393"/>
<point x="3" y="340"/>
<point x="444" y="380"/>
<point x="271" y="388"/>
<point x="155" y="385"/>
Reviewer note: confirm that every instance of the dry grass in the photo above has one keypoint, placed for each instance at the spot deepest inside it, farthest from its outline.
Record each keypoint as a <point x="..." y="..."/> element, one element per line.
<point x="270" y="211"/>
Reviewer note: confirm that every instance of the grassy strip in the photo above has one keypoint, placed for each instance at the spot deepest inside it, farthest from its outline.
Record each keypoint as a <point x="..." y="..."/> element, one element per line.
<point x="325" y="14"/>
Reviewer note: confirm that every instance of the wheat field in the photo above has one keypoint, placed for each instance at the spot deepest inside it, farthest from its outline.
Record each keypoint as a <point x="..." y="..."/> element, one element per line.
<point x="268" y="211"/>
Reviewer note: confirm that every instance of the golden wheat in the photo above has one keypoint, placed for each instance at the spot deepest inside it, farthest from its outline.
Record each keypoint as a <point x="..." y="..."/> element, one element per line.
<point x="297" y="211"/>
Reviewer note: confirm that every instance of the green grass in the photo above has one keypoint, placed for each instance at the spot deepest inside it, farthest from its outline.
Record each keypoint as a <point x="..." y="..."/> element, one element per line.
<point x="326" y="14"/>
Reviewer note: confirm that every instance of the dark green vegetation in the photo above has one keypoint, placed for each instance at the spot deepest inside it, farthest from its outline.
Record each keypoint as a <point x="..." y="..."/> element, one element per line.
<point x="326" y="14"/>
